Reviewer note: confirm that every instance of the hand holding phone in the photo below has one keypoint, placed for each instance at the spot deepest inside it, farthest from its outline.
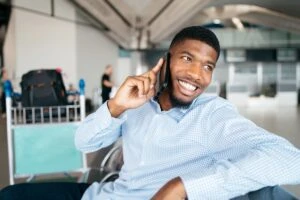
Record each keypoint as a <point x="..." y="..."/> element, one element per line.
<point x="135" y="91"/>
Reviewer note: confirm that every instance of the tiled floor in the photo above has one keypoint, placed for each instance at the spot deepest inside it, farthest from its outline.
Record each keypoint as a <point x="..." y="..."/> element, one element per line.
<point x="284" y="121"/>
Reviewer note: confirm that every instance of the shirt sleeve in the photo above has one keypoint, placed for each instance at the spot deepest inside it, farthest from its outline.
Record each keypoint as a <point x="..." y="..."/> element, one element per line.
<point x="98" y="130"/>
<point x="246" y="158"/>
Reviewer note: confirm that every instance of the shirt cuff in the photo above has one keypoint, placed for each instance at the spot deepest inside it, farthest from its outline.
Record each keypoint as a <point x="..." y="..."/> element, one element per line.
<point x="203" y="188"/>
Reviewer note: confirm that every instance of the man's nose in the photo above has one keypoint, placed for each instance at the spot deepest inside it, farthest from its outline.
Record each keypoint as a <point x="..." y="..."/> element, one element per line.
<point x="195" y="71"/>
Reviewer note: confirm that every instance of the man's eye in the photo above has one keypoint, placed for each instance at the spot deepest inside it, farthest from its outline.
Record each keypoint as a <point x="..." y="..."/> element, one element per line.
<point x="208" y="68"/>
<point x="186" y="58"/>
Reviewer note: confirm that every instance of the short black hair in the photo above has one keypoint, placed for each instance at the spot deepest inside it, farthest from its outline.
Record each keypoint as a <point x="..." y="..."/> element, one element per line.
<point x="197" y="33"/>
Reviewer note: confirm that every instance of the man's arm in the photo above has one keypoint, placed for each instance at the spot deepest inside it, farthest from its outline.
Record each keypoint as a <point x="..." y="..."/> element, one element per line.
<point x="98" y="130"/>
<point x="172" y="190"/>
<point x="103" y="127"/>
<point x="246" y="158"/>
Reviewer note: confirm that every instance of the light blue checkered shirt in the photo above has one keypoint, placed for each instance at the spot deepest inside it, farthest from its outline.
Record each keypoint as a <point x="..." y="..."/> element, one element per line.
<point x="216" y="152"/>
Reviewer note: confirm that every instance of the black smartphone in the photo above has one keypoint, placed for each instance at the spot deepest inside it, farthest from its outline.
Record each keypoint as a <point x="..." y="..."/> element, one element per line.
<point x="164" y="77"/>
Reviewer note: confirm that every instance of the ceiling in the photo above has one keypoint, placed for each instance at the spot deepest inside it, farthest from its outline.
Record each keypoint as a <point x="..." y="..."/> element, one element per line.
<point x="136" y="24"/>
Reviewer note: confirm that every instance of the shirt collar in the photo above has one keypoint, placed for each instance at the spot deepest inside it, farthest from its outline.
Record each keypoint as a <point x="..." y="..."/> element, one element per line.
<point x="203" y="98"/>
<point x="178" y="113"/>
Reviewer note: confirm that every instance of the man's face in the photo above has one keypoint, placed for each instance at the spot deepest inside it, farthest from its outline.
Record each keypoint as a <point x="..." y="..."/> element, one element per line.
<point x="109" y="70"/>
<point x="191" y="65"/>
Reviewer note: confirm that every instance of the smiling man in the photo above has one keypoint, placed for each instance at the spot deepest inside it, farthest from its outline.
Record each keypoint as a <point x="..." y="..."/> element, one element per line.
<point x="179" y="143"/>
<point x="182" y="143"/>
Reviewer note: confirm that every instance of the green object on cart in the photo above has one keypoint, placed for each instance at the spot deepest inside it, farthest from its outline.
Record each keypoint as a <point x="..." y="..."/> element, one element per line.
<point x="42" y="149"/>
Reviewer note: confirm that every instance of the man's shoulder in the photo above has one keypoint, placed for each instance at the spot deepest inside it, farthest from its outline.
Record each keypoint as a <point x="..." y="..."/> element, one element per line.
<point x="210" y="99"/>
<point x="213" y="102"/>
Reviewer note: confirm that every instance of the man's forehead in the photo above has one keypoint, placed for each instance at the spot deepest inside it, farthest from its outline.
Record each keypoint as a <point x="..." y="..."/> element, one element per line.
<point x="191" y="44"/>
<point x="195" y="48"/>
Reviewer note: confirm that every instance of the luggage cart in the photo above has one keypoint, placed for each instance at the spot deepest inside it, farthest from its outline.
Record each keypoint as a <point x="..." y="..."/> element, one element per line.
<point x="41" y="139"/>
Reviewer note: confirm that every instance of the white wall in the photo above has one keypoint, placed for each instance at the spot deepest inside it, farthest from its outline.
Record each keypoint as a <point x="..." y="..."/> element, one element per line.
<point x="9" y="49"/>
<point x="36" y="40"/>
<point x="45" y="42"/>
<point x="94" y="52"/>
<point x="125" y="68"/>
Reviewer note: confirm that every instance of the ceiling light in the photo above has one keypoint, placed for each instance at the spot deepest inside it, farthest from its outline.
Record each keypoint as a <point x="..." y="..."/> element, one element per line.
<point x="217" y="21"/>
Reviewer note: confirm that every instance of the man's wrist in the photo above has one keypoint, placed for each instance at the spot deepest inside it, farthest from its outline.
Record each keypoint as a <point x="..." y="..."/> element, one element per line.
<point x="114" y="109"/>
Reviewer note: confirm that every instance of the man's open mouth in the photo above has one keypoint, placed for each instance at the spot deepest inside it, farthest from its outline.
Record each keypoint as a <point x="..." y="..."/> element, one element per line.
<point x="187" y="86"/>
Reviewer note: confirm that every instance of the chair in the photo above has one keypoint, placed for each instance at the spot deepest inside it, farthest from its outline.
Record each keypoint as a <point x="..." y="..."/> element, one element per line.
<point x="109" y="167"/>
<point x="112" y="163"/>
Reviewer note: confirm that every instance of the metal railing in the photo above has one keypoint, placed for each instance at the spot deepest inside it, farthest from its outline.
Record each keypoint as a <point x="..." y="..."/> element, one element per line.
<point x="41" y="115"/>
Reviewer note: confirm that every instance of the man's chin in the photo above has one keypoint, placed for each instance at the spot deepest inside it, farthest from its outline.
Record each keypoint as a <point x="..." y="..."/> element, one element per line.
<point x="177" y="102"/>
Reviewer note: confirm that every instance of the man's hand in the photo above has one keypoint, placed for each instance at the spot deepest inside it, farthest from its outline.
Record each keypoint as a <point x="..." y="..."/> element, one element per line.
<point x="172" y="190"/>
<point x="135" y="91"/>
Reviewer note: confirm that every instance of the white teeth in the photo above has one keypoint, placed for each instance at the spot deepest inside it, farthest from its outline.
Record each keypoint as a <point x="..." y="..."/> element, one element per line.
<point x="187" y="86"/>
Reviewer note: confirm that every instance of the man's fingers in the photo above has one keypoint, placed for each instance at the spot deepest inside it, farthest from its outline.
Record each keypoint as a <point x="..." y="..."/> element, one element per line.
<point x="158" y="66"/>
<point x="151" y="93"/>
<point x="146" y="82"/>
<point x="140" y="87"/>
<point x="152" y="74"/>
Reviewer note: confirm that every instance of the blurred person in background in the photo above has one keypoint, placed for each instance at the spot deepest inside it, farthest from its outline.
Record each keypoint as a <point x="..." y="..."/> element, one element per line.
<point x="72" y="94"/>
<point x="106" y="83"/>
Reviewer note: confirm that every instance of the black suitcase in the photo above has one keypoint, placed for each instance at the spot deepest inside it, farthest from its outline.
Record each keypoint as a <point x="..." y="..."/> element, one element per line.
<point x="43" y="87"/>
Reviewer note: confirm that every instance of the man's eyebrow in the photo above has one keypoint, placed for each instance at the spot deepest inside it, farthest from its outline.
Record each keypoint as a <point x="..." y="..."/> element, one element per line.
<point x="213" y="64"/>
<point x="186" y="52"/>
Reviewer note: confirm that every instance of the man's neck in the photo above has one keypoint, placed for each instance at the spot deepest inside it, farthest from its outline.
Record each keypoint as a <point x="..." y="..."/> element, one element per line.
<point x="164" y="101"/>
